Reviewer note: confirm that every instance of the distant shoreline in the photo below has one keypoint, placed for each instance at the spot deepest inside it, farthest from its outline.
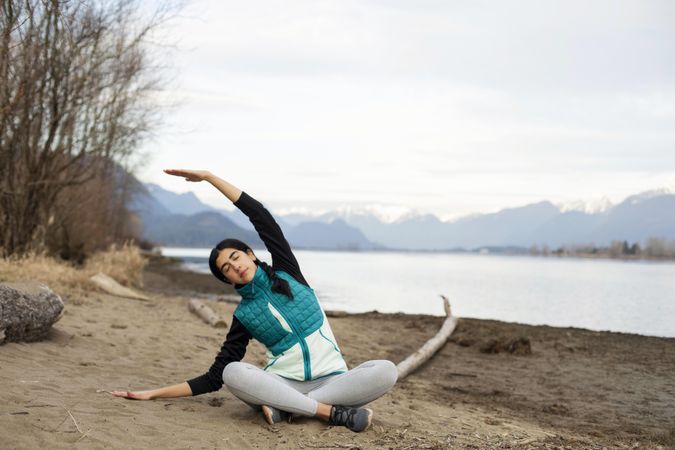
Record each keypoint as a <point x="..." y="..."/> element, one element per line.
<point x="179" y="279"/>
<point x="483" y="251"/>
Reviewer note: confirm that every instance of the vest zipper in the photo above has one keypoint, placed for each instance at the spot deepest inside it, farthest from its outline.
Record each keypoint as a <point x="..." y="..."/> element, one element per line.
<point x="303" y="344"/>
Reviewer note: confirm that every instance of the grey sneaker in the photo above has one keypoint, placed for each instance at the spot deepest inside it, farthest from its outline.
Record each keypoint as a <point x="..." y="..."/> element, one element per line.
<point x="273" y="415"/>
<point x="356" y="419"/>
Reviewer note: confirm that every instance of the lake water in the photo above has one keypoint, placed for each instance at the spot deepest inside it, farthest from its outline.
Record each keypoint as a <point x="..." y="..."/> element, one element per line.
<point x="626" y="296"/>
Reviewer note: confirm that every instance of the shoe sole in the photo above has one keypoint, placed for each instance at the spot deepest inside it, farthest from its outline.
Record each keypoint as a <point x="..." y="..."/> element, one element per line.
<point x="267" y="412"/>
<point x="370" y="419"/>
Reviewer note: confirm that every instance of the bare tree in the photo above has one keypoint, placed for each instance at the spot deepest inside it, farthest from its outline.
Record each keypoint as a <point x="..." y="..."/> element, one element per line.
<point x="75" y="91"/>
<point x="93" y="215"/>
<point x="616" y="249"/>
<point x="660" y="248"/>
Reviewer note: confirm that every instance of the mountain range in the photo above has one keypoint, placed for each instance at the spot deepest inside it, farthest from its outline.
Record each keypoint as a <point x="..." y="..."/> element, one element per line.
<point x="176" y="219"/>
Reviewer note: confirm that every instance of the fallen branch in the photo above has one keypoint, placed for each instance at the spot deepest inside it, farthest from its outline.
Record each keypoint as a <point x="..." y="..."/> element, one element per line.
<point x="74" y="421"/>
<point x="336" y="313"/>
<point x="329" y="446"/>
<point x="206" y="314"/>
<point x="84" y="435"/>
<point x="229" y="298"/>
<point x="412" y="362"/>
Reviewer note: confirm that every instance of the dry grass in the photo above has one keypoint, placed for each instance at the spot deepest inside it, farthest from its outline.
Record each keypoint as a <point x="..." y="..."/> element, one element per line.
<point x="666" y="438"/>
<point x="123" y="263"/>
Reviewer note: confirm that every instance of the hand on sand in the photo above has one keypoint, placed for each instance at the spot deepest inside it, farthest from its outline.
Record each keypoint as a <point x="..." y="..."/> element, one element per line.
<point x="140" y="395"/>
<point x="189" y="175"/>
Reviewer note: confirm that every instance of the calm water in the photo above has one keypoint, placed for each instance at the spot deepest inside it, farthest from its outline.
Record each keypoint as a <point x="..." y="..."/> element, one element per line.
<point x="627" y="296"/>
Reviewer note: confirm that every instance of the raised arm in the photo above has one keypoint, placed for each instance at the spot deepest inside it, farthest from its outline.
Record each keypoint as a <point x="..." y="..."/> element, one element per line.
<point x="263" y="221"/>
<point x="230" y="191"/>
<point x="270" y="233"/>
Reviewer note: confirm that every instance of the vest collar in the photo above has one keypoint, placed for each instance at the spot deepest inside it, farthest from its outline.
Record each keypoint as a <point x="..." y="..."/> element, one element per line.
<point x="260" y="281"/>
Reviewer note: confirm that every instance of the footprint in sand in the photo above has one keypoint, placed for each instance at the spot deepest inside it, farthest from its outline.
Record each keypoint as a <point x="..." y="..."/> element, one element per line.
<point x="216" y="402"/>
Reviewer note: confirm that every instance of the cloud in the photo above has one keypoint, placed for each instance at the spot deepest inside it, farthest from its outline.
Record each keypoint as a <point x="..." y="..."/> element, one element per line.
<point x="447" y="106"/>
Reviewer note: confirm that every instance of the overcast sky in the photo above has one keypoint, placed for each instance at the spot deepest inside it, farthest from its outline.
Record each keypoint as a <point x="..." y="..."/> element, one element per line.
<point x="445" y="107"/>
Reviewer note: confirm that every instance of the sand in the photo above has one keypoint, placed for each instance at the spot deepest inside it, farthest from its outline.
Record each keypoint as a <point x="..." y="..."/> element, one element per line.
<point x="576" y="389"/>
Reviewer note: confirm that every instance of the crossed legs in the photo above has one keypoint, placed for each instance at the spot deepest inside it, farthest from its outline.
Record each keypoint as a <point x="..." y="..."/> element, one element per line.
<point x="354" y="388"/>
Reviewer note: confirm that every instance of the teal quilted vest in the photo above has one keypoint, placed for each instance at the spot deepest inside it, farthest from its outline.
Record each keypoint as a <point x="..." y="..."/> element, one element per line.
<point x="302" y="314"/>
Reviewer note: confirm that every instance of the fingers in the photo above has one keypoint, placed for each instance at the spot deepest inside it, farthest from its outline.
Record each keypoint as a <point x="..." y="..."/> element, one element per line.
<point x="189" y="175"/>
<point x="127" y="394"/>
<point x="179" y="172"/>
<point x="121" y="393"/>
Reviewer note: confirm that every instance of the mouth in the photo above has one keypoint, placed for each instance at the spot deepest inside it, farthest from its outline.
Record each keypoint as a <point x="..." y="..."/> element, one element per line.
<point x="241" y="274"/>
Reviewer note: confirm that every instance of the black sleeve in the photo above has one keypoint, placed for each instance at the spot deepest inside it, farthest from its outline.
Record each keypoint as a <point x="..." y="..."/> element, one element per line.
<point x="233" y="349"/>
<point x="272" y="236"/>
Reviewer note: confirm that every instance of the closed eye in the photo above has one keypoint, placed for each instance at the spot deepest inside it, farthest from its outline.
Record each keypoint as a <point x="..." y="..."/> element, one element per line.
<point x="225" y="267"/>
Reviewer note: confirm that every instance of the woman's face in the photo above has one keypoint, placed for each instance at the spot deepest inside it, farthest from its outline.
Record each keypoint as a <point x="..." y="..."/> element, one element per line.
<point x="237" y="266"/>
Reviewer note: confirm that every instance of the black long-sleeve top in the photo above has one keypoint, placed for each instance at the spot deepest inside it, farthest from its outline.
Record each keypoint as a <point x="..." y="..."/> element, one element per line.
<point x="234" y="347"/>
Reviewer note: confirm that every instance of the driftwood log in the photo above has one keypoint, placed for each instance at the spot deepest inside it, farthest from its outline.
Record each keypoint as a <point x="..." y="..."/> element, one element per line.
<point x="27" y="311"/>
<point x="111" y="286"/>
<point x="336" y="313"/>
<point x="229" y="298"/>
<point x="412" y="362"/>
<point x="206" y="313"/>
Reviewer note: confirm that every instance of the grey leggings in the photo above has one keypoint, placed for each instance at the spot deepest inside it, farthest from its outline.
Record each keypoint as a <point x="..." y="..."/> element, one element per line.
<point x="356" y="387"/>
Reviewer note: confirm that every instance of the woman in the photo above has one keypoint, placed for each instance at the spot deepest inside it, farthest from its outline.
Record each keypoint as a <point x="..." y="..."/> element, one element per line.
<point x="305" y="373"/>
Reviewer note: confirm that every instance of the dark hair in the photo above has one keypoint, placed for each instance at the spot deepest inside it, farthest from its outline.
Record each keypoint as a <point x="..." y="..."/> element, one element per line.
<point x="278" y="284"/>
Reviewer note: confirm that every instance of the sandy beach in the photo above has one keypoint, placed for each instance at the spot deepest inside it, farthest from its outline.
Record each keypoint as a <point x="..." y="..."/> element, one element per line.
<point x="575" y="389"/>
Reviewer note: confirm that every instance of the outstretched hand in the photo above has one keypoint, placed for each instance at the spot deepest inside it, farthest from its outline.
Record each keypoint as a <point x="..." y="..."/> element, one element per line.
<point x="189" y="175"/>
<point x="139" y="395"/>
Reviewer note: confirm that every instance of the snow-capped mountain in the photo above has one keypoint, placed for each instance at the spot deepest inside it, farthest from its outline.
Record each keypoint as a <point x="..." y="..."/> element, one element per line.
<point x="383" y="213"/>
<point x="184" y="220"/>
<point x="633" y="199"/>
<point x="594" y="206"/>
<point x="635" y="219"/>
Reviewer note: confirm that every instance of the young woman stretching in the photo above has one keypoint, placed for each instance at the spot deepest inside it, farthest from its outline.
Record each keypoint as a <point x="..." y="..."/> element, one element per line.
<point x="305" y="373"/>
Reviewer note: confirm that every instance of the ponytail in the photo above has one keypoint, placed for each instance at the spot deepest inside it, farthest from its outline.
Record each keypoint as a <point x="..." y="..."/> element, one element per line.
<point x="278" y="284"/>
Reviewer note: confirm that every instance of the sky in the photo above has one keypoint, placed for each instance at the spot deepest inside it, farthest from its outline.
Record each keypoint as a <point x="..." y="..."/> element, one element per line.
<point x="442" y="107"/>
